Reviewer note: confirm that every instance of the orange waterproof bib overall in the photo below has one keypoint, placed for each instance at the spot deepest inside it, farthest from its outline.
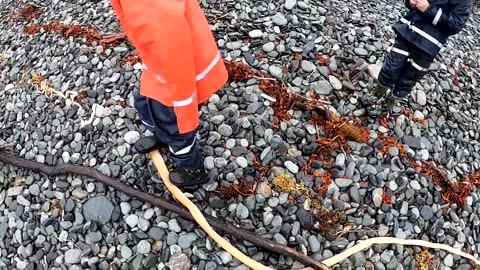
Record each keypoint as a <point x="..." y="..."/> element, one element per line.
<point x="182" y="64"/>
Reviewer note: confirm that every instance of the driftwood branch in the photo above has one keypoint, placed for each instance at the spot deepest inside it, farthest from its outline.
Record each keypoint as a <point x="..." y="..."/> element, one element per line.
<point x="216" y="223"/>
<point x="113" y="38"/>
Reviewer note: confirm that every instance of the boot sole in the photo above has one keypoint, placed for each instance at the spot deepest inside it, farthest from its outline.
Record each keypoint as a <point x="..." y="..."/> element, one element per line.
<point x="202" y="181"/>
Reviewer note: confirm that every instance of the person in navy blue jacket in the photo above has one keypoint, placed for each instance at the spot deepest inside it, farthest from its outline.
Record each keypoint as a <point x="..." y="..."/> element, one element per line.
<point x="421" y="34"/>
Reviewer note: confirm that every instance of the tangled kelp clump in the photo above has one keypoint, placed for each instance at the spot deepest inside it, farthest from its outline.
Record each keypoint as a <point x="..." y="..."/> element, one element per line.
<point x="89" y="33"/>
<point x="424" y="260"/>
<point x="329" y="222"/>
<point x="75" y="31"/>
<point x="332" y="224"/>
<point x="341" y="129"/>
<point x="242" y="188"/>
<point x="263" y="170"/>
<point x="389" y="141"/>
<point x="28" y="13"/>
<point x="238" y="71"/>
<point x="338" y="131"/>
<point x="452" y="191"/>
<point x="285" y="183"/>
<point x="131" y="60"/>
<point x="322" y="60"/>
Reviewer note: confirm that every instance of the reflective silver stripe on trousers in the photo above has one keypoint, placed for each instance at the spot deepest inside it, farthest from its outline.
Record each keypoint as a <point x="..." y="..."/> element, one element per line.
<point x="397" y="50"/>
<point x="415" y="65"/>
<point x="422" y="33"/>
<point x="185" y="150"/>
<point x="437" y="17"/>
<point x="147" y="124"/>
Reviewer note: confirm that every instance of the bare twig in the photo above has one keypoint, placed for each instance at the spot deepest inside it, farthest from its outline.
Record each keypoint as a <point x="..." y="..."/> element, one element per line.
<point x="263" y="78"/>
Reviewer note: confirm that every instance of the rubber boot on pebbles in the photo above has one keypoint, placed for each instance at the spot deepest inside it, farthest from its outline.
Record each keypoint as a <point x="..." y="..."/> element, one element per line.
<point x="387" y="106"/>
<point x="183" y="177"/>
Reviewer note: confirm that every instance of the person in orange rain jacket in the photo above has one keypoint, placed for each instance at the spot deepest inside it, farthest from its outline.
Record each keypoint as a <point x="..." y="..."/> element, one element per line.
<point x="182" y="68"/>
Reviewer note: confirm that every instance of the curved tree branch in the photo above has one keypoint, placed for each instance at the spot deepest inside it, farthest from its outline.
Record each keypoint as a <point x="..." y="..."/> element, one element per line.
<point x="156" y="201"/>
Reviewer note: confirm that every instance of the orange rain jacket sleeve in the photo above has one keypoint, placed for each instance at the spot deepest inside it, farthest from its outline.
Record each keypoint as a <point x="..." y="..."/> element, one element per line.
<point x="161" y="34"/>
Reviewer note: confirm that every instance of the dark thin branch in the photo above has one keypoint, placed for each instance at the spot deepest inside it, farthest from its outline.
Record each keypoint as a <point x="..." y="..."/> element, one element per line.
<point x="156" y="201"/>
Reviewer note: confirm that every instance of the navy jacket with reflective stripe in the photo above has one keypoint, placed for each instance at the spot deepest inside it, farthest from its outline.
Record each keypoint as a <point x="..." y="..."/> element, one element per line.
<point x="430" y="30"/>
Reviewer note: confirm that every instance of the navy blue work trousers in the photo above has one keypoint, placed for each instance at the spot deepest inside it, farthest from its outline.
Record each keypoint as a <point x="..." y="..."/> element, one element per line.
<point x="162" y="121"/>
<point x="405" y="65"/>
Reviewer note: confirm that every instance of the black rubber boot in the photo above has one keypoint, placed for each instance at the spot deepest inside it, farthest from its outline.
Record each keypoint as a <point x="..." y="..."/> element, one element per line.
<point x="188" y="177"/>
<point x="394" y="105"/>
<point x="147" y="144"/>
<point x="386" y="106"/>
<point x="376" y="106"/>
<point x="381" y="91"/>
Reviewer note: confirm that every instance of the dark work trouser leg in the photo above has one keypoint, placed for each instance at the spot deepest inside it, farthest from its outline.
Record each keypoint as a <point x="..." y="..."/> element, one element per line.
<point x="162" y="121"/>
<point x="395" y="63"/>
<point x="417" y="67"/>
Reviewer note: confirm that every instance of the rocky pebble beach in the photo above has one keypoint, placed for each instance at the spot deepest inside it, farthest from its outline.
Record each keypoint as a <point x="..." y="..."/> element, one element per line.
<point x="71" y="222"/>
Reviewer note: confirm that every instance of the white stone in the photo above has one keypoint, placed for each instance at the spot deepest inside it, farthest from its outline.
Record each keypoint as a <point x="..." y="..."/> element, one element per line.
<point x="279" y="19"/>
<point x="308" y="66"/>
<point x="9" y="87"/>
<point x="374" y="70"/>
<point x="21" y="265"/>
<point x="292" y="167"/>
<point x="73" y="256"/>
<point x="423" y="154"/>
<point x="143" y="247"/>
<point x="63" y="236"/>
<point x="148" y="213"/>
<point x="131" y="220"/>
<point x="418" y="115"/>
<point x="22" y="201"/>
<point x="131" y="137"/>
<point x="125" y="208"/>
<point x="311" y="129"/>
<point x="255" y="33"/>
<point x="10" y="106"/>
<point x="335" y="82"/>
<point x="14" y="191"/>
<point x="448" y="260"/>
<point x="242" y="162"/>
<point x="382" y="230"/>
<point x="289" y="4"/>
<point x="378" y="197"/>
<point x="143" y="224"/>
<point x="420" y="97"/>
<point x="415" y="185"/>
<point x="66" y="157"/>
<point x="382" y="129"/>
<point x="268" y="47"/>
<point x="90" y="187"/>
